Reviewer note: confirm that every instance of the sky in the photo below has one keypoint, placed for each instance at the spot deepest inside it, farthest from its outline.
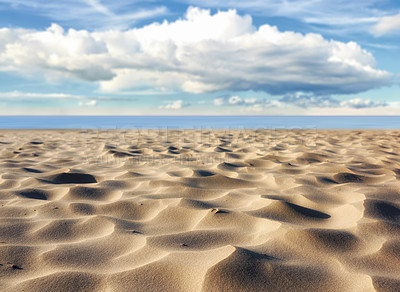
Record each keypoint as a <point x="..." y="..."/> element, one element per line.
<point x="192" y="57"/>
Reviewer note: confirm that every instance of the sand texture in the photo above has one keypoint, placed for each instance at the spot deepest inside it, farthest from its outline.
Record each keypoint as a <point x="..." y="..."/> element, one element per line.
<point x="199" y="210"/>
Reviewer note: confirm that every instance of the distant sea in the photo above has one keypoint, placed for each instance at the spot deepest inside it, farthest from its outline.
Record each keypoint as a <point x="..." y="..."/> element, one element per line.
<point x="199" y="122"/>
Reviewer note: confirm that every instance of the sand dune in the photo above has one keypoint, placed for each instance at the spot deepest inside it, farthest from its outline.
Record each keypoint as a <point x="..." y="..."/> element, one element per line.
<point x="199" y="210"/>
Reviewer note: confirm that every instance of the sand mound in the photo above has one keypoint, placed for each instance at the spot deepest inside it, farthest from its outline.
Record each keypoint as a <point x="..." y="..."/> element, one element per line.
<point x="72" y="178"/>
<point x="34" y="194"/>
<point x="382" y="210"/>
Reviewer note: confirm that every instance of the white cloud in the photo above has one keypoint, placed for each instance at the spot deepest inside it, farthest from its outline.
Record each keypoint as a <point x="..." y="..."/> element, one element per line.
<point x="309" y="100"/>
<point x="18" y="96"/>
<point x="99" y="7"/>
<point x="254" y="104"/>
<point x="25" y="95"/>
<point x="235" y="100"/>
<point x="299" y="100"/>
<point x="87" y="103"/>
<point x="219" y="101"/>
<point x="198" y="53"/>
<point x="362" y="103"/>
<point x="386" y="25"/>
<point x="326" y="12"/>
<point x="174" y="105"/>
<point x="262" y="106"/>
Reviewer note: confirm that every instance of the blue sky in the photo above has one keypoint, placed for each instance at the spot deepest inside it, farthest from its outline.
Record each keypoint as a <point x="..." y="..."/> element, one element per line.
<point x="272" y="57"/>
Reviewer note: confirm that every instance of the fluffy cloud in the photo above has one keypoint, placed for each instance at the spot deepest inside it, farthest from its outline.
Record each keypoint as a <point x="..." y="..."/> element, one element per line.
<point x="174" y="105"/>
<point x="297" y="99"/>
<point x="237" y="100"/>
<point x="198" y="53"/>
<point x="362" y="103"/>
<point x="55" y="53"/>
<point x="386" y="25"/>
<point x="325" y="12"/>
<point x="219" y="101"/>
<point x="87" y="103"/>
<point x="247" y="104"/>
<point x="309" y="100"/>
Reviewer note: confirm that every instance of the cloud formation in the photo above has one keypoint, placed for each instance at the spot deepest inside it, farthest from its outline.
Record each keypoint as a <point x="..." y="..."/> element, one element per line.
<point x="363" y="103"/>
<point x="386" y="25"/>
<point x="237" y="100"/>
<point x="322" y="12"/>
<point x="30" y="95"/>
<point x="92" y="100"/>
<point x="174" y="105"/>
<point x="298" y="99"/>
<point x="199" y="53"/>
<point x="247" y="104"/>
<point x="309" y="100"/>
<point x="87" y="103"/>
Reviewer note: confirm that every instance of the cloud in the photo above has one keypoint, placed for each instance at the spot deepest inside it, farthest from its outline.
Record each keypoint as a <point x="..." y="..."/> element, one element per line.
<point x="386" y="25"/>
<point x="87" y="103"/>
<point x="262" y="106"/>
<point x="96" y="5"/>
<point x="247" y="104"/>
<point x="174" y="105"/>
<point x="18" y="96"/>
<point x="237" y="100"/>
<point x="322" y="12"/>
<point x="298" y="99"/>
<point x="363" y="103"/>
<point x="219" y="101"/>
<point x="309" y="100"/>
<point x="199" y="53"/>
<point x="25" y="95"/>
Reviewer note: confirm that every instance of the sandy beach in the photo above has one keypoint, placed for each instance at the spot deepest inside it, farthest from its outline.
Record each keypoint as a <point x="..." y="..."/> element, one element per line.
<point x="200" y="210"/>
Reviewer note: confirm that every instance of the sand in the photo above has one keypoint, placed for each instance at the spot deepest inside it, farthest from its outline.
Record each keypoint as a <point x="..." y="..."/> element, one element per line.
<point x="199" y="210"/>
